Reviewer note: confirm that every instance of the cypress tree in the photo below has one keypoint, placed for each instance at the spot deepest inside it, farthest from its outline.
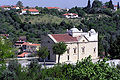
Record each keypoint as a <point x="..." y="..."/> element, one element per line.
<point x="111" y="5"/>
<point x="118" y="6"/>
<point x="89" y="5"/>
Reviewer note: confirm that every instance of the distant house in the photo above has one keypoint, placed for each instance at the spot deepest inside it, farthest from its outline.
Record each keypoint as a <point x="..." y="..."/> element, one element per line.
<point x="22" y="38"/>
<point x="15" y="7"/>
<point x="27" y="47"/>
<point x="59" y="9"/>
<point x="70" y="15"/>
<point x="31" y="11"/>
<point x="5" y="7"/>
<point x="79" y="45"/>
<point x="115" y="7"/>
<point x="5" y="35"/>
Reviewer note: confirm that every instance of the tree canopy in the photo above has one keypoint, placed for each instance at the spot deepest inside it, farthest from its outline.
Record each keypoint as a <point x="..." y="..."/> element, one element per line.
<point x="59" y="49"/>
<point x="43" y="53"/>
<point x="19" y="3"/>
<point x="6" y="50"/>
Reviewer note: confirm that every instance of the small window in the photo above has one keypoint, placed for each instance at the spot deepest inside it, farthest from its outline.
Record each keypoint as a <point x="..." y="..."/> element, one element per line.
<point x="94" y="49"/>
<point x="74" y="50"/>
<point x="83" y="49"/>
<point x="83" y="40"/>
<point x="68" y="51"/>
<point x="49" y="55"/>
<point x="68" y="57"/>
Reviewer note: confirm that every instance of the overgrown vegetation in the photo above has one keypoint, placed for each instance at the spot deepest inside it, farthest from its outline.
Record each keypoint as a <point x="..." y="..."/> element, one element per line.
<point x="106" y="21"/>
<point x="84" y="70"/>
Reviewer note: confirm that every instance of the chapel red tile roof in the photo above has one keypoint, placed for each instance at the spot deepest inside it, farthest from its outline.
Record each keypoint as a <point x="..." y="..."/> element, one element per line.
<point x="63" y="38"/>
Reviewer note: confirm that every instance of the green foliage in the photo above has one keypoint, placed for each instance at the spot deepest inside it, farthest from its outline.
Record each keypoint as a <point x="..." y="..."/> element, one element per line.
<point x="111" y="6"/>
<point x="6" y="50"/>
<point x="77" y="10"/>
<point x="59" y="49"/>
<point x="96" y="4"/>
<point x="82" y="70"/>
<point x="115" y="48"/>
<point x="43" y="52"/>
<point x="28" y="12"/>
<point x="19" y="3"/>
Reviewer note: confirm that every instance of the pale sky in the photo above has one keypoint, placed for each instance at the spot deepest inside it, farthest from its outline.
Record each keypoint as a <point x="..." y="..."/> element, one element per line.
<point x="52" y="3"/>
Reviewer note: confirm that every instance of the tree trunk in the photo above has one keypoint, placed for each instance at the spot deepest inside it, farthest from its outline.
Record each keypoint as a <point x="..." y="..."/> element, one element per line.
<point x="58" y="59"/>
<point x="44" y="62"/>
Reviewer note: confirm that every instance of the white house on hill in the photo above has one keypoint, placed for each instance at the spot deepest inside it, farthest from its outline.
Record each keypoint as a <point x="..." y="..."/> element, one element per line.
<point x="79" y="45"/>
<point x="31" y="11"/>
<point x="70" y="15"/>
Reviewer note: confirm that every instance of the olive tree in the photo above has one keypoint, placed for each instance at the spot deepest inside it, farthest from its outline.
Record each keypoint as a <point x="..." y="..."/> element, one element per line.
<point x="43" y="53"/>
<point x="59" y="49"/>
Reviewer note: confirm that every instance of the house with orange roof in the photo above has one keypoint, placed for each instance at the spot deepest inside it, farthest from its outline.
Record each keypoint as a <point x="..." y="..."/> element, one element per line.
<point x="115" y="7"/>
<point x="59" y="9"/>
<point x="79" y="45"/>
<point x="70" y="15"/>
<point x="15" y="7"/>
<point x="5" y="7"/>
<point x="31" y="11"/>
<point x="27" y="47"/>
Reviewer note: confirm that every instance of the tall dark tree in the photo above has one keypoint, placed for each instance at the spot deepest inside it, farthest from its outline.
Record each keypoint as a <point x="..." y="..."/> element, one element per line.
<point x="111" y="5"/>
<point x="118" y="6"/>
<point x="89" y="5"/>
<point x="19" y="3"/>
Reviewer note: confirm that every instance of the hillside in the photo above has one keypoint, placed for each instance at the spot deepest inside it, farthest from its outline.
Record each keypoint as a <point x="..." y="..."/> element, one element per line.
<point x="104" y="21"/>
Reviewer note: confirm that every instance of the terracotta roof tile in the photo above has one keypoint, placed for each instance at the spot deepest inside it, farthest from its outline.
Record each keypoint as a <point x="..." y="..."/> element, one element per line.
<point x="53" y="7"/>
<point x="31" y="10"/>
<point x="5" y="6"/>
<point x="23" y="54"/>
<point x="115" y="5"/>
<point x="63" y="38"/>
<point x="28" y="44"/>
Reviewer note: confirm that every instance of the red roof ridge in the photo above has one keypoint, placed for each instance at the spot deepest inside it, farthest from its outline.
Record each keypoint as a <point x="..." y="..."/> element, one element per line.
<point x="31" y="10"/>
<point x="53" y="7"/>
